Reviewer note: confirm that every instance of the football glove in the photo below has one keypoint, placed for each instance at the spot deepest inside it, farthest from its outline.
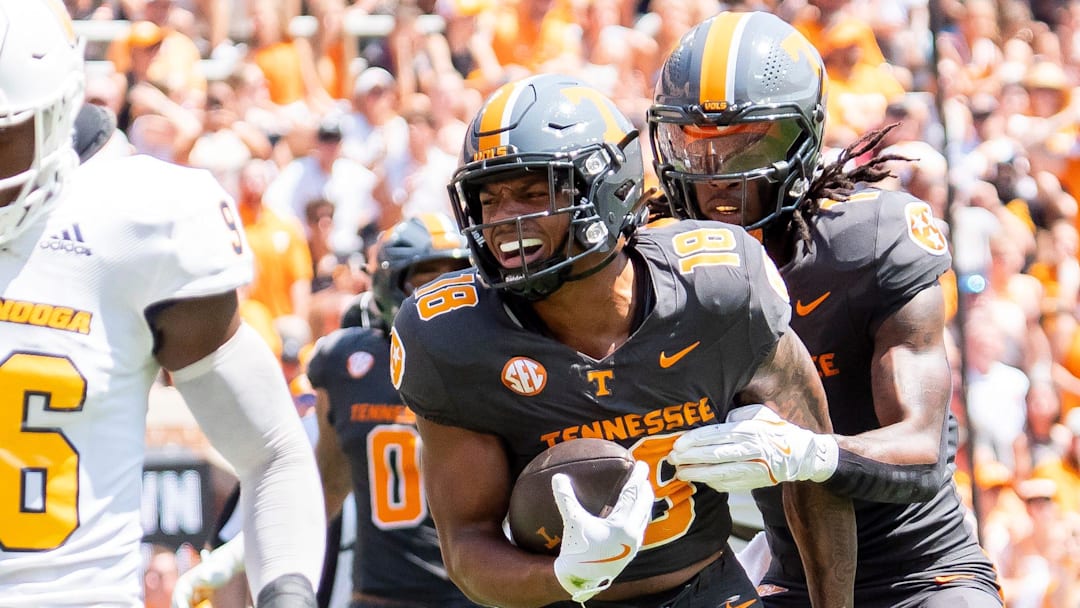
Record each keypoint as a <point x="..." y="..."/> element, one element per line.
<point x="596" y="549"/>
<point x="216" y="568"/>
<point x="754" y="448"/>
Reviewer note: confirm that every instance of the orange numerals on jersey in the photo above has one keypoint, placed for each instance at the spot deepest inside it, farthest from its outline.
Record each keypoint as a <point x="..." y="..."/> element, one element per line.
<point x="705" y="247"/>
<point x="676" y="496"/>
<point x="444" y="295"/>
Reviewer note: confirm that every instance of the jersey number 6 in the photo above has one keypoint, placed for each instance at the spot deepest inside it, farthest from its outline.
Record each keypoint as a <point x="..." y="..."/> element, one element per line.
<point x="39" y="467"/>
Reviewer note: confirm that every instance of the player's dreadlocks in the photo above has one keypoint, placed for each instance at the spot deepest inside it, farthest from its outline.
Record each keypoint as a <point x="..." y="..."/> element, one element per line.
<point x="834" y="183"/>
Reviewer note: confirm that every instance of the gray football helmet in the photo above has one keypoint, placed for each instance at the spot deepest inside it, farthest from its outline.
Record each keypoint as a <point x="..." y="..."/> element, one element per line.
<point x="584" y="144"/>
<point x="425" y="237"/>
<point x="737" y="119"/>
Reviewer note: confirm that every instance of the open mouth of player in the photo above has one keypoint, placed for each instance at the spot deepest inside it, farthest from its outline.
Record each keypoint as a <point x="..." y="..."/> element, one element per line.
<point x="719" y="210"/>
<point x="516" y="254"/>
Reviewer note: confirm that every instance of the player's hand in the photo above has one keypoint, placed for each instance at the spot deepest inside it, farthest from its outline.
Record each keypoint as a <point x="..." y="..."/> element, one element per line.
<point x="596" y="549"/>
<point x="754" y="448"/>
<point x="216" y="568"/>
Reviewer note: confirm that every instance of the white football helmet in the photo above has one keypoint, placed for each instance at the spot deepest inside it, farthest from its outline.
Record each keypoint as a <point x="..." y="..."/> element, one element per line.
<point x="41" y="90"/>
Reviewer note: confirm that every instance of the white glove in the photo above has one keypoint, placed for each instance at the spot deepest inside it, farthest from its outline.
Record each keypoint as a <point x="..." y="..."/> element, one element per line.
<point x="595" y="550"/>
<point x="754" y="448"/>
<point x="216" y="568"/>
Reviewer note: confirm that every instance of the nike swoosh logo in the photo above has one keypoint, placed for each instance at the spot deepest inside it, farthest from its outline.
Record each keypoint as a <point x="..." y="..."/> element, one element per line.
<point x="784" y="448"/>
<point x="948" y="578"/>
<point x="614" y="558"/>
<point x="742" y="605"/>
<point x="804" y="309"/>
<point x="666" y="361"/>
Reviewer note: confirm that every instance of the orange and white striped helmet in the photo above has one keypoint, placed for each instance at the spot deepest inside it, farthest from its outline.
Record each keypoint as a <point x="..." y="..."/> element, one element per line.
<point x="737" y="119"/>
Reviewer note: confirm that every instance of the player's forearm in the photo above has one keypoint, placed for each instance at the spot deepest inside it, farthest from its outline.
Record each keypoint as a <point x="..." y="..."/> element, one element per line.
<point x="334" y="492"/>
<point x="823" y="526"/>
<point x="890" y="464"/>
<point x="334" y="473"/>
<point x="491" y="572"/>
<point x="283" y="512"/>
<point x="239" y="397"/>
<point x="904" y="460"/>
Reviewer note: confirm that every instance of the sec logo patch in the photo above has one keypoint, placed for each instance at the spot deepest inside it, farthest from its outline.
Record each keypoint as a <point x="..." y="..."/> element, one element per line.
<point x="923" y="230"/>
<point x="359" y="364"/>
<point x="524" y="376"/>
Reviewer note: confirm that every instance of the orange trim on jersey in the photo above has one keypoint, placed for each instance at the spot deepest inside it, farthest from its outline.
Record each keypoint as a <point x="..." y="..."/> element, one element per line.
<point x="492" y="120"/>
<point x="715" y="58"/>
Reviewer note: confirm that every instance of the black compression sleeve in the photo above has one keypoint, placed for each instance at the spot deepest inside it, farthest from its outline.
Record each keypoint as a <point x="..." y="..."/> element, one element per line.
<point x="866" y="479"/>
<point x="287" y="591"/>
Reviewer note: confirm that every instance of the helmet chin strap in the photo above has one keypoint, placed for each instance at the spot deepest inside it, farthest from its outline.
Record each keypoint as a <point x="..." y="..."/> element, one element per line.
<point x="542" y="287"/>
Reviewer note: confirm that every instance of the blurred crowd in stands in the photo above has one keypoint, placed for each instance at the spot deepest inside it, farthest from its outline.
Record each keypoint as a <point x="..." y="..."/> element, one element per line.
<point x="330" y="120"/>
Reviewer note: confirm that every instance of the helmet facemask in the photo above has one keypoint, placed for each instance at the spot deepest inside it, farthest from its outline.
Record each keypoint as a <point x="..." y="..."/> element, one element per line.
<point x="576" y="181"/>
<point x="739" y="107"/>
<point x="741" y="170"/>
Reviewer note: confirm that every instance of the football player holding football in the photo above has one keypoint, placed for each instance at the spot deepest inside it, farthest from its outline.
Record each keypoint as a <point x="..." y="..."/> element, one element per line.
<point x="736" y="127"/>
<point x="109" y="272"/>
<point x="576" y="323"/>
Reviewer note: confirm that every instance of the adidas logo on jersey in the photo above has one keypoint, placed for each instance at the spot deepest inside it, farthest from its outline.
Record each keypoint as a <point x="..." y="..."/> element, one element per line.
<point x="69" y="240"/>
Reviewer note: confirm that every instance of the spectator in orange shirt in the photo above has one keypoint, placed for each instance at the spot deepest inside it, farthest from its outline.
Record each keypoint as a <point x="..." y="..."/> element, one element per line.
<point x="332" y="48"/>
<point x="287" y="62"/>
<point x="176" y="64"/>
<point x="539" y="35"/>
<point x="283" y="268"/>
<point x="859" y="89"/>
<point x="818" y="18"/>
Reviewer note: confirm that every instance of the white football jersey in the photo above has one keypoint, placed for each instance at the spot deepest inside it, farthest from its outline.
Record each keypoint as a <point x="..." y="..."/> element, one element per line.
<point x="76" y="367"/>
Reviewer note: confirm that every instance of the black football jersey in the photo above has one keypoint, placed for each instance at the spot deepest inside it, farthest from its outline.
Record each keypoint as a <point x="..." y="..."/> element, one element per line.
<point x="397" y="554"/>
<point x="719" y="308"/>
<point x="869" y="256"/>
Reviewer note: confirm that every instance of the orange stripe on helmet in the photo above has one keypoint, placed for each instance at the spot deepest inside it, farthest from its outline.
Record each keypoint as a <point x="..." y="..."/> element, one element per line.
<point x="64" y="18"/>
<point x="716" y="58"/>
<point x="442" y="233"/>
<point x="492" y="119"/>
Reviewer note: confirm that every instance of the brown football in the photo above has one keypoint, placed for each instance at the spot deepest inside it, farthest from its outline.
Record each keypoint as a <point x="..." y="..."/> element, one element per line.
<point x="598" y="470"/>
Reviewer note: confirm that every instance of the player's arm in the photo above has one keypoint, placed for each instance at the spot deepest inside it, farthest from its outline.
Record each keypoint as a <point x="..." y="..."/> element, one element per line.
<point x="467" y="482"/>
<point x="235" y="389"/>
<point x="904" y="460"/>
<point x="334" y="469"/>
<point x="822" y="523"/>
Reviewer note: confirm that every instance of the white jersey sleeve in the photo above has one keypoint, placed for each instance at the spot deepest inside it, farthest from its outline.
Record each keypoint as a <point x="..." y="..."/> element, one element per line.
<point x="187" y="241"/>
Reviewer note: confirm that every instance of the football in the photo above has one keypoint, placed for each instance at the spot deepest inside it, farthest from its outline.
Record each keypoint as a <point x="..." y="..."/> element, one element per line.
<point x="598" y="470"/>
